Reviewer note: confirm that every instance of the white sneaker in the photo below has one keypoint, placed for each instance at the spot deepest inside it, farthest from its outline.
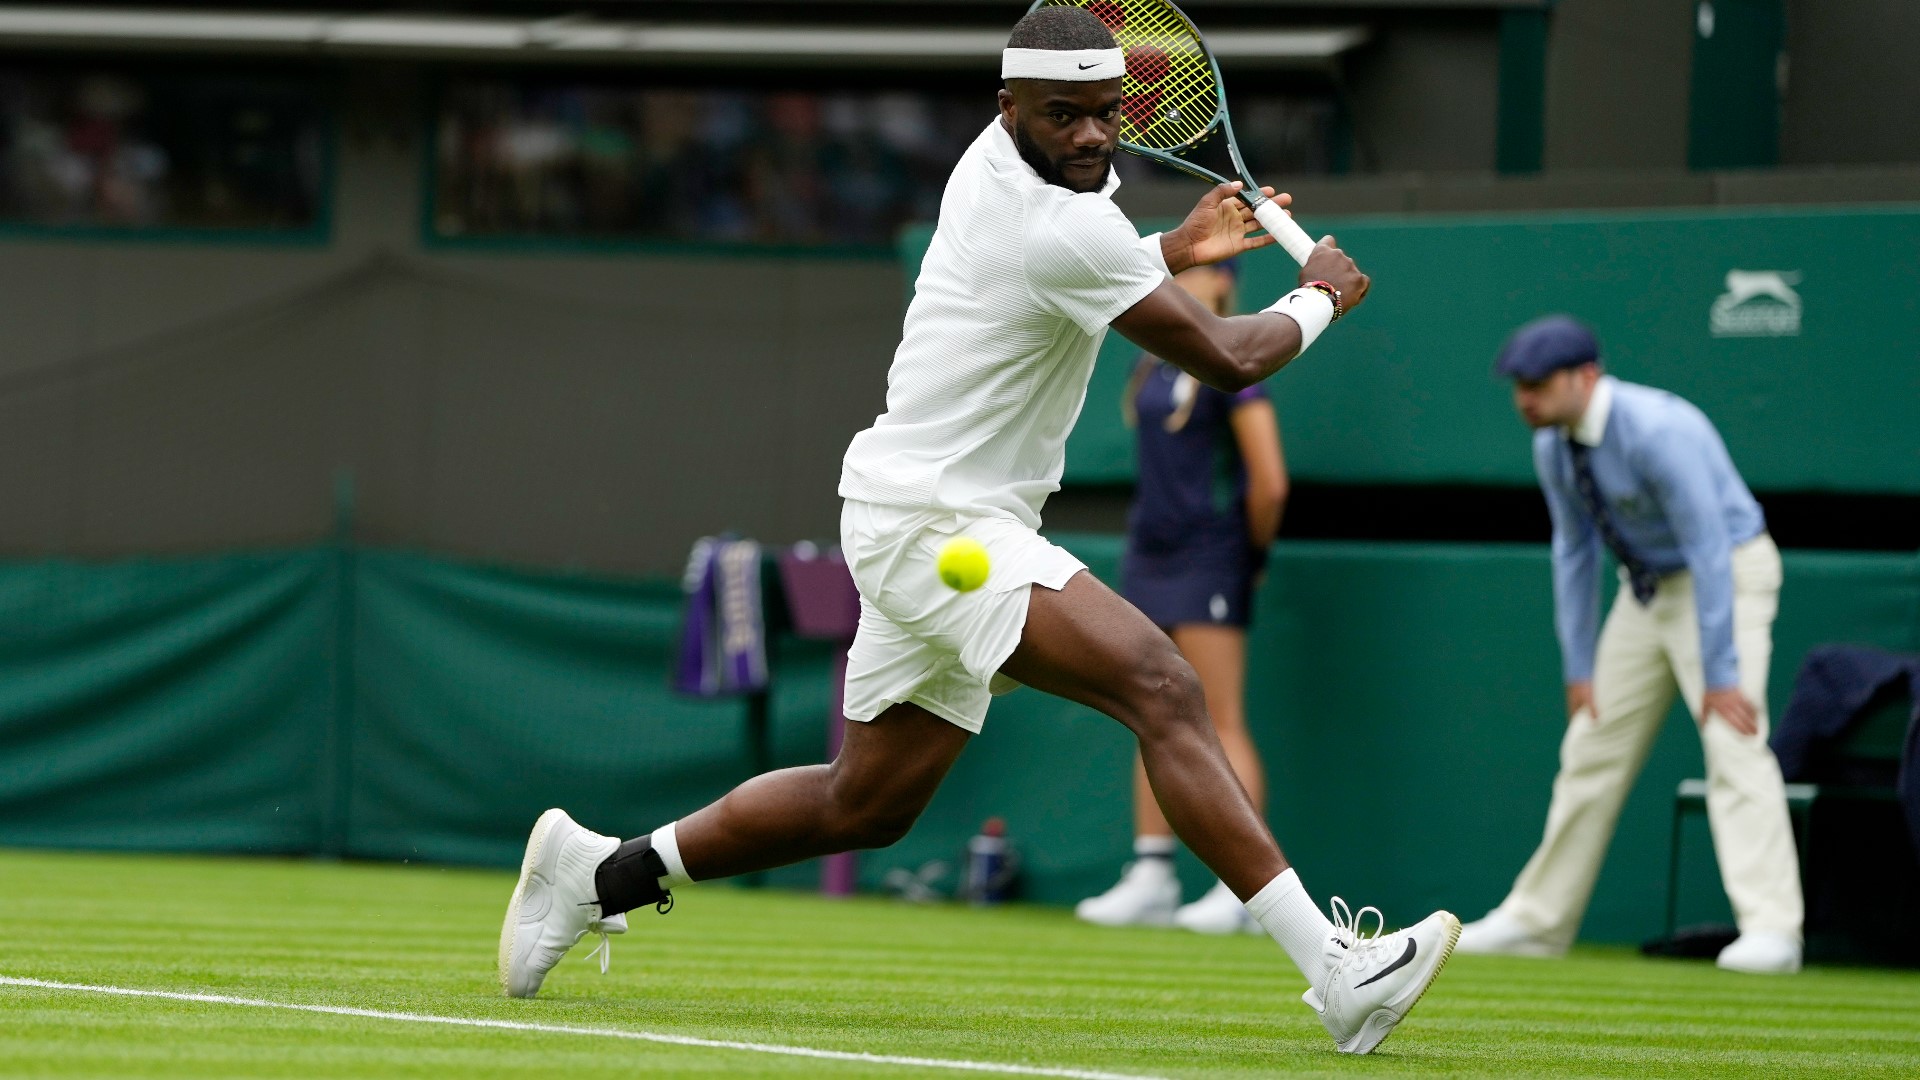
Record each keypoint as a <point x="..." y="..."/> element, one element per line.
<point x="1500" y="934"/>
<point x="1218" y="912"/>
<point x="1373" y="982"/>
<point x="555" y="903"/>
<point x="1147" y="894"/>
<point x="1761" y="952"/>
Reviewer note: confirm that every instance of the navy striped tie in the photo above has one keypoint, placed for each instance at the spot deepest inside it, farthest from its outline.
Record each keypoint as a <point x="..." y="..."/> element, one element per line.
<point x="1642" y="580"/>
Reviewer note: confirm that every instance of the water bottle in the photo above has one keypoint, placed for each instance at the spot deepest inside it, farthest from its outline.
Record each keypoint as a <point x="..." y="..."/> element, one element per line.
<point x="990" y="864"/>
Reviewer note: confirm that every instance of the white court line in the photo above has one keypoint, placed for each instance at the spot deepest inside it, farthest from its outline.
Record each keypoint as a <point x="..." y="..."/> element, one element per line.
<point x="568" y="1029"/>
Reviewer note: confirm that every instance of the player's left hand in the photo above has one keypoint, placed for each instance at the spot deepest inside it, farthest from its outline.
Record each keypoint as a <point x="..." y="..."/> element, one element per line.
<point x="1217" y="229"/>
<point x="1733" y="707"/>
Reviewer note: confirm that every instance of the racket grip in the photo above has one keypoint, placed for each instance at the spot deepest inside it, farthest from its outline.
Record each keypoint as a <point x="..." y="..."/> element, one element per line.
<point x="1277" y="221"/>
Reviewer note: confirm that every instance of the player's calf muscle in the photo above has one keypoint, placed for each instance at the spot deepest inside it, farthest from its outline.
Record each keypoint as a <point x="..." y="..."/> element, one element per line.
<point x="870" y="825"/>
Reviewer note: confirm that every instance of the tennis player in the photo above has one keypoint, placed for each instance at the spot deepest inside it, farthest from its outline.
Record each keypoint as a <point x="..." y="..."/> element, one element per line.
<point x="1029" y="265"/>
<point x="1211" y="489"/>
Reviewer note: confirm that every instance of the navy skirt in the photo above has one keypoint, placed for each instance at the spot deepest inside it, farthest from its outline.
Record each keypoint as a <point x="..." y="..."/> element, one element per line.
<point x="1203" y="583"/>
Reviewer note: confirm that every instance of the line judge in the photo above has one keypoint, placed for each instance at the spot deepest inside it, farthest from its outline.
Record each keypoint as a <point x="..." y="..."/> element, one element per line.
<point x="1645" y="474"/>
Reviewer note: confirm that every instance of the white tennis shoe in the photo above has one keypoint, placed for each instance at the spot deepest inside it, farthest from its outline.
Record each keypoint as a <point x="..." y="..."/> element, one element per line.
<point x="1218" y="912"/>
<point x="1761" y="952"/>
<point x="555" y="903"/>
<point x="1146" y="895"/>
<point x="1374" y="981"/>
<point x="1500" y="934"/>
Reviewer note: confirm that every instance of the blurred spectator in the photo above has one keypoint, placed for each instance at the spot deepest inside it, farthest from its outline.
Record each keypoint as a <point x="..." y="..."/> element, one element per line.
<point x="721" y="165"/>
<point x="188" y="149"/>
<point x="1212" y="487"/>
<point x="738" y="166"/>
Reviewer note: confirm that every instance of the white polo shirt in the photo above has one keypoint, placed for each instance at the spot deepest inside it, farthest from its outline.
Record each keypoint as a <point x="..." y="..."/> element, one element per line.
<point x="1013" y="300"/>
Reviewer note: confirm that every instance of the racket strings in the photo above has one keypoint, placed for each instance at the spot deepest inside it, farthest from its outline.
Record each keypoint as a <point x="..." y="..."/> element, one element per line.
<point x="1170" y="98"/>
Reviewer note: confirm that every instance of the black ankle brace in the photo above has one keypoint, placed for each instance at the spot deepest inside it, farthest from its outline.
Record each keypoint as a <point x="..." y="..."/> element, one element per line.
<point x="630" y="878"/>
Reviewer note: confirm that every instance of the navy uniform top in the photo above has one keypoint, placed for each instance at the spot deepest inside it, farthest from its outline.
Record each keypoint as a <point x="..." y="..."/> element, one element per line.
<point x="1191" y="498"/>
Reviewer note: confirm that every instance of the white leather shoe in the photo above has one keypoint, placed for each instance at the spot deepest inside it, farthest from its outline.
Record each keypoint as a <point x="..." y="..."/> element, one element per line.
<point x="1218" y="912"/>
<point x="1761" y="952"/>
<point x="1146" y="895"/>
<point x="1373" y="982"/>
<point x="555" y="903"/>
<point x="1500" y="934"/>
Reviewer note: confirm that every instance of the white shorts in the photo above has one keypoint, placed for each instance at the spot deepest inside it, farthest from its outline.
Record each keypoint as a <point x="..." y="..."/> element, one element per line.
<point x="922" y="642"/>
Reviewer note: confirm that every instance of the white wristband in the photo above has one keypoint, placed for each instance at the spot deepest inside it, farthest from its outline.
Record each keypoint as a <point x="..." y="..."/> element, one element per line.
<point x="1151" y="245"/>
<point x="1311" y="308"/>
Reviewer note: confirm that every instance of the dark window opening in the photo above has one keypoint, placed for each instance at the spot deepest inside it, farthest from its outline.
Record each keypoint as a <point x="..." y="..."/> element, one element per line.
<point x="752" y="158"/>
<point x="1502" y="514"/>
<point x="126" y="146"/>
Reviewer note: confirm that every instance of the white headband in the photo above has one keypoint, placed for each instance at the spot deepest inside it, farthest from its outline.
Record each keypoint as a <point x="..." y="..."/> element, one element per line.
<point x="1063" y="65"/>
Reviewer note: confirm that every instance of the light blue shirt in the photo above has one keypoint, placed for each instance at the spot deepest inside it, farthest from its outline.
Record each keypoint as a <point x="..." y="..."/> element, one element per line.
<point x="1676" y="499"/>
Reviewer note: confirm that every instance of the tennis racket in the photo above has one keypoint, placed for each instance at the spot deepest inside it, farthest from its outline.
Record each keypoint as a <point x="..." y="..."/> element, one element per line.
<point x="1175" y="98"/>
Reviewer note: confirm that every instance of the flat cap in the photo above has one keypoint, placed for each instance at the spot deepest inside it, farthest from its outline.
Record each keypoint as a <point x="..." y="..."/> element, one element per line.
<point x="1546" y="345"/>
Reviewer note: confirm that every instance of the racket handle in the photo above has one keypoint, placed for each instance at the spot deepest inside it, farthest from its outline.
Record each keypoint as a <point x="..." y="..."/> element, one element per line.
<point x="1277" y="221"/>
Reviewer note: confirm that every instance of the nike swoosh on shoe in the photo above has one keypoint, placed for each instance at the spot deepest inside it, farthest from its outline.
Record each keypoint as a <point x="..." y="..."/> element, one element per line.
<point x="1405" y="959"/>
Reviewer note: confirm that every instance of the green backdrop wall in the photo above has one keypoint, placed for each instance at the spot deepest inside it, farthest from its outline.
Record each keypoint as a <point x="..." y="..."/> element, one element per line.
<point x="400" y="706"/>
<point x="1403" y="391"/>
<point x="182" y="704"/>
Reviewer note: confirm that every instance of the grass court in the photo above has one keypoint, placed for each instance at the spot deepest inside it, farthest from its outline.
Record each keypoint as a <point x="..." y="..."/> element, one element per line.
<point x="1015" y="986"/>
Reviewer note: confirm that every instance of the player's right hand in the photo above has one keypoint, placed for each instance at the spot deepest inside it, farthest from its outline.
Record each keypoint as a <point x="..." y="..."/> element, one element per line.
<point x="1329" y="264"/>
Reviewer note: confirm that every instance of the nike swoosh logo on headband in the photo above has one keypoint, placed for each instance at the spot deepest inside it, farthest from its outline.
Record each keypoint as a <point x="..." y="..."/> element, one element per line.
<point x="1084" y="67"/>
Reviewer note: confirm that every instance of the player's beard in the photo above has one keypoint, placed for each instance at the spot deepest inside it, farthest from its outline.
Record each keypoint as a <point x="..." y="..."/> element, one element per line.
<point x="1050" y="171"/>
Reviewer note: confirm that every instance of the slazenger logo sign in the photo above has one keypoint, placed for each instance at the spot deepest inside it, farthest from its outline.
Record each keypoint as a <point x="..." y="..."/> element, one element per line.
<point x="1757" y="303"/>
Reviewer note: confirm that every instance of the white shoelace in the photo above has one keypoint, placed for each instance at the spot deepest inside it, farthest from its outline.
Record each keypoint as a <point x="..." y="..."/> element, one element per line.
<point x="604" y="950"/>
<point x="1361" y="950"/>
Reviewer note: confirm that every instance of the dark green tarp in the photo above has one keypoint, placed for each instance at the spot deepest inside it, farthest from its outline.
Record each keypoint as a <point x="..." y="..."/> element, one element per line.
<point x="181" y="703"/>
<point x="403" y="706"/>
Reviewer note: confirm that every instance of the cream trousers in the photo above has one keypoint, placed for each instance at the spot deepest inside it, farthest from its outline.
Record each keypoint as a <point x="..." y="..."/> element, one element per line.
<point x="1645" y="655"/>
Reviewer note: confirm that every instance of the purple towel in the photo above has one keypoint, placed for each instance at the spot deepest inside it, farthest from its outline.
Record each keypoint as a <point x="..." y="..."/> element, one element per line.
<point x="723" y="645"/>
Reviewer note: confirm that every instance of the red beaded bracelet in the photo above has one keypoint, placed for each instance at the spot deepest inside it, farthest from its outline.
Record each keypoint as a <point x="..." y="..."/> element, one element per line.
<point x="1333" y="294"/>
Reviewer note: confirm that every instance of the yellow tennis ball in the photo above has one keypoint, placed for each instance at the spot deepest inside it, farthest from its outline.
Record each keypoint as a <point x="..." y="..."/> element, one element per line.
<point x="963" y="564"/>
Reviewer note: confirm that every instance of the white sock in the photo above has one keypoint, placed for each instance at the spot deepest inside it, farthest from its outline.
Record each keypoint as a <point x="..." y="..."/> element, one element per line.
<point x="1153" y="847"/>
<point x="668" y="846"/>
<point x="1284" y="910"/>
